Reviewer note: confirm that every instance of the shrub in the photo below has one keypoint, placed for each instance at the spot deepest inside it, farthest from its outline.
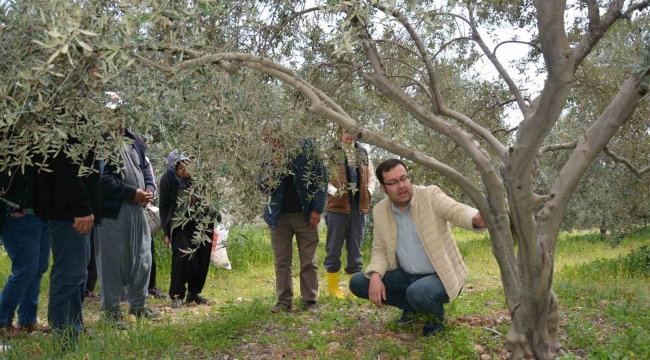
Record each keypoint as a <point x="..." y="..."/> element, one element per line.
<point x="637" y="263"/>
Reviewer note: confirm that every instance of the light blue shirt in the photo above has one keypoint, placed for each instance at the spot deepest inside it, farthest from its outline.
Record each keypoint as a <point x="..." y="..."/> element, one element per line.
<point x="412" y="257"/>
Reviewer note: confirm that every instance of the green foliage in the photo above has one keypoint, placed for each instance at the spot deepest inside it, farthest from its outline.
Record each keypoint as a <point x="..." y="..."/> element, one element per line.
<point x="637" y="263"/>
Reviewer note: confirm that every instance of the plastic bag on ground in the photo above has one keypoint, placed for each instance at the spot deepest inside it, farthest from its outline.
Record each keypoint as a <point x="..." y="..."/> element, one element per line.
<point x="219" y="256"/>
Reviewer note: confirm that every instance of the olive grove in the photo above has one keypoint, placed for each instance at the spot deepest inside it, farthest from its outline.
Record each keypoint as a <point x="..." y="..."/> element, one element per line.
<point x="201" y="75"/>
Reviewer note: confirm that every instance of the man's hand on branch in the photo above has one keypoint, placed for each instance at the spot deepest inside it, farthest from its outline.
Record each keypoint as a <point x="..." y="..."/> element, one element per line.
<point x="477" y="220"/>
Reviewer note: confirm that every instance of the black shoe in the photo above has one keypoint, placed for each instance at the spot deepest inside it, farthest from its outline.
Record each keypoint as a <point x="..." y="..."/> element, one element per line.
<point x="157" y="293"/>
<point x="177" y="303"/>
<point x="145" y="313"/>
<point x="408" y="316"/>
<point x="431" y="328"/>
<point x="310" y="306"/>
<point x="116" y="320"/>
<point x="198" y="299"/>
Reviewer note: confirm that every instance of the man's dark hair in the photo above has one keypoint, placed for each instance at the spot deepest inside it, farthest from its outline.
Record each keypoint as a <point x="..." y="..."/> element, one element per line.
<point x="386" y="166"/>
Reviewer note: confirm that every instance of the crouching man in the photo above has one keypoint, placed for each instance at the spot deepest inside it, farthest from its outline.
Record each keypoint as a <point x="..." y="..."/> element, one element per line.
<point x="415" y="264"/>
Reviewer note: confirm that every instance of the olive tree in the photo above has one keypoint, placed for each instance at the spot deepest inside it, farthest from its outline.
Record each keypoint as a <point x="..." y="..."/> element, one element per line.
<point x="304" y="64"/>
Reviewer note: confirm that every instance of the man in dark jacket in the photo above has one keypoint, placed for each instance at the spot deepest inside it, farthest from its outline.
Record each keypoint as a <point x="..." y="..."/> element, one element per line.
<point x="297" y="192"/>
<point x="123" y="239"/>
<point x="71" y="203"/>
<point x="27" y="243"/>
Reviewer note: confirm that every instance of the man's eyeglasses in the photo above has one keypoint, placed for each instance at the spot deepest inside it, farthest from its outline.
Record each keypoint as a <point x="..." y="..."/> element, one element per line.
<point x="404" y="180"/>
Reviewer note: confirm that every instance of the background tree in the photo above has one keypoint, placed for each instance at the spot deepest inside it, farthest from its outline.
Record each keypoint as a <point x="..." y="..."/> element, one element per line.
<point x="303" y="60"/>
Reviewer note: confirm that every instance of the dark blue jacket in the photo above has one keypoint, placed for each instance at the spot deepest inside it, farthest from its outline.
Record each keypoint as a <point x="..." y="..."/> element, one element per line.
<point x="311" y="185"/>
<point x="115" y="191"/>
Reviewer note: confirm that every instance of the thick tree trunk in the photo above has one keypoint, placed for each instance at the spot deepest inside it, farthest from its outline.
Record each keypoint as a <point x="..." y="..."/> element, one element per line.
<point x="533" y="332"/>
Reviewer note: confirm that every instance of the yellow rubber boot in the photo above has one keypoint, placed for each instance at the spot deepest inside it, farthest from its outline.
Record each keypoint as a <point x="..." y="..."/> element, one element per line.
<point x="333" y="285"/>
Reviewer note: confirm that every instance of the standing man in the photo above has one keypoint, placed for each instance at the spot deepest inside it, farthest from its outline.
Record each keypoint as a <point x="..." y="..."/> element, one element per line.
<point x="415" y="263"/>
<point x="352" y="182"/>
<point x="295" y="182"/>
<point x="27" y="243"/>
<point x="70" y="202"/>
<point x="123" y="240"/>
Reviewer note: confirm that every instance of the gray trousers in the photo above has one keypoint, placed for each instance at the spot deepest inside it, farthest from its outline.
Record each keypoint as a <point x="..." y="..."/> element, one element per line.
<point x="348" y="229"/>
<point x="282" y="244"/>
<point x="123" y="251"/>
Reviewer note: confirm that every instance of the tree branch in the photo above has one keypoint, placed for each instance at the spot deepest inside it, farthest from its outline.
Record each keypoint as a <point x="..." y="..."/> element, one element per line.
<point x="283" y="24"/>
<point x="416" y="82"/>
<point x="290" y="18"/>
<point x="636" y="7"/>
<point x="444" y="46"/>
<point x="555" y="147"/>
<point x="433" y="14"/>
<point x="507" y="131"/>
<point x="638" y="173"/>
<point x="400" y="45"/>
<point x="433" y="80"/>
<point x="336" y="114"/>
<point x="514" y="89"/>
<point x="547" y="107"/>
<point x="405" y="63"/>
<point x="593" y="12"/>
<point x="593" y="35"/>
<point x="515" y="42"/>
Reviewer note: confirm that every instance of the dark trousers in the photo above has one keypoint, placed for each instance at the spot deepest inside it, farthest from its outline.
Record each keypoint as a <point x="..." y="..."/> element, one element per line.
<point x="91" y="281"/>
<point x="27" y="242"/>
<point x="423" y="293"/>
<point x="282" y="244"/>
<point x="70" y="254"/>
<point x="189" y="271"/>
<point x="152" y="277"/>
<point x="348" y="229"/>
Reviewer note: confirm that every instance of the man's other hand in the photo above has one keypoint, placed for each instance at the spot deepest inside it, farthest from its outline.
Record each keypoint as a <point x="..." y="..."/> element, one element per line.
<point x="83" y="224"/>
<point x="142" y="197"/>
<point x="376" y="290"/>
<point x="314" y="219"/>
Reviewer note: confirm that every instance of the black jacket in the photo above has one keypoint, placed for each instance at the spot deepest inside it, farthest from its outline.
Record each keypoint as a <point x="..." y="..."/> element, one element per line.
<point x="168" y="191"/>
<point x="63" y="195"/>
<point x="181" y="237"/>
<point x="18" y="189"/>
<point x="115" y="190"/>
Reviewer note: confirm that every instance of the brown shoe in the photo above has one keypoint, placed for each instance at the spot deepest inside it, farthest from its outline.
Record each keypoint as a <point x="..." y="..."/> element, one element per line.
<point x="92" y="296"/>
<point x="311" y="307"/>
<point x="279" y="307"/>
<point x="35" y="327"/>
<point x="10" y="332"/>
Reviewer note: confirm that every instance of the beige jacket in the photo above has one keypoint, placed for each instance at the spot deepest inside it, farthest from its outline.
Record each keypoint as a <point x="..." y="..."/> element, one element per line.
<point x="431" y="212"/>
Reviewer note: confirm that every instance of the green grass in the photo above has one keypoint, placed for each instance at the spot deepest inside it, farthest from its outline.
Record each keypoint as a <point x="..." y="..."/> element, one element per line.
<point x="605" y="311"/>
